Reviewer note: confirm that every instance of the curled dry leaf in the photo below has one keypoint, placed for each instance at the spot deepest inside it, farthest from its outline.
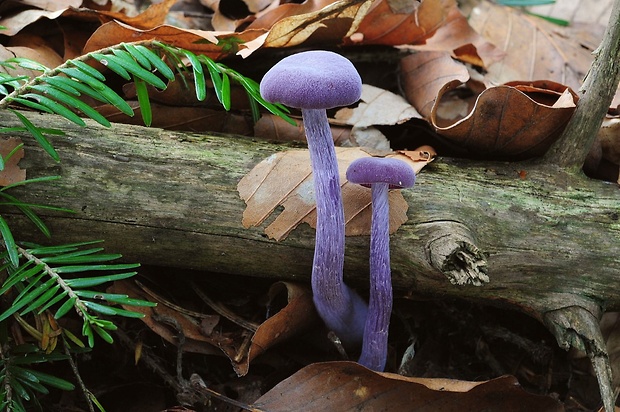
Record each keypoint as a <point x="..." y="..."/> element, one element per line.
<point x="386" y="25"/>
<point x="285" y="179"/>
<point x="297" y="316"/>
<point x="535" y="48"/>
<point x="424" y="74"/>
<point x="514" y="120"/>
<point x="348" y="386"/>
<point x="12" y="173"/>
<point x="517" y="120"/>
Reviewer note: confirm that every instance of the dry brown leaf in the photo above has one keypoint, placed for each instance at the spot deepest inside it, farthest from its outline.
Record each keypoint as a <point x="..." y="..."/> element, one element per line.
<point x="15" y="19"/>
<point x="424" y="74"/>
<point x="197" y="41"/>
<point x="458" y="38"/>
<point x="329" y="24"/>
<point x="284" y="179"/>
<point x="412" y="25"/>
<point x="152" y="17"/>
<point x="348" y="386"/>
<point x="36" y="48"/>
<point x="12" y="173"/>
<point x="378" y="107"/>
<point x="297" y="316"/>
<point x="266" y="19"/>
<point x="515" y="120"/>
<point x="518" y="119"/>
<point x="275" y="128"/>
<point x="535" y="48"/>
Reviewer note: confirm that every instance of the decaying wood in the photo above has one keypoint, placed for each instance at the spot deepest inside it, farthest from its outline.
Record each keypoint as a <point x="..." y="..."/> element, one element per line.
<point x="166" y="198"/>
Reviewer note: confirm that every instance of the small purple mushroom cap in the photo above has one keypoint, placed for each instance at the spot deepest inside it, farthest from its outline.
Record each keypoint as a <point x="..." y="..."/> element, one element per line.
<point x="380" y="174"/>
<point x="369" y="170"/>
<point x="312" y="80"/>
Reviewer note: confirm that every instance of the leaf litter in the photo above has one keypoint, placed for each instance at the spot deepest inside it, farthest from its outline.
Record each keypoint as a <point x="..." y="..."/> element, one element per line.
<point x="459" y="45"/>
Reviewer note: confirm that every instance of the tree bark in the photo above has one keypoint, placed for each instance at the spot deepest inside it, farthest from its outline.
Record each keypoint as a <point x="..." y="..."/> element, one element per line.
<point x="502" y="233"/>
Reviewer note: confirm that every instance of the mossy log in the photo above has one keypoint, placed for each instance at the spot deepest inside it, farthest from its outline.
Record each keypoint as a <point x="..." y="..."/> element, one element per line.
<point x="514" y="233"/>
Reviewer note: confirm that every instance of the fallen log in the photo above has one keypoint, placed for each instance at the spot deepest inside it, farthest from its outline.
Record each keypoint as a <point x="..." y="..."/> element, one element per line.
<point x="167" y="198"/>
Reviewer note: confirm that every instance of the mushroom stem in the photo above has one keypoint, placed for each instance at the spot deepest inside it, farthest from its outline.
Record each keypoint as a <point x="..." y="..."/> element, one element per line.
<point x="342" y="310"/>
<point x="374" y="347"/>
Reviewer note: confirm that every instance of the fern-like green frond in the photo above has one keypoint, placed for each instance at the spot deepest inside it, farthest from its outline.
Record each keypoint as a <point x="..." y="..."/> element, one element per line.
<point x="148" y="63"/>
<point x="20" y="382"/>
<point x="50" y="277"/>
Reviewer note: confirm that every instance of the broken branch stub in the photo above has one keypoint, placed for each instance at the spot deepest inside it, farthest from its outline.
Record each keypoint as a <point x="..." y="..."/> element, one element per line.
<point x="452" y="250"/>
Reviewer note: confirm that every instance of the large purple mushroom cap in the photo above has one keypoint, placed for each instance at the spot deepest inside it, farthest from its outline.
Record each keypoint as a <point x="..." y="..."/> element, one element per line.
<point x="312" y="80"/>
<point x="366" y="171"/>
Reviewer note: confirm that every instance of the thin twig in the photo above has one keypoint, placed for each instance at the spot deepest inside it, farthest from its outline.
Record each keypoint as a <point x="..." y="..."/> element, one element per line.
<point x="87" y="394"/>
<point x="198" y="384"/>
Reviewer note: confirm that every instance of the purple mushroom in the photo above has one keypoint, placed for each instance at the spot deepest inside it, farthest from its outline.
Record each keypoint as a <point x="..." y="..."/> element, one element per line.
<point x="314" y="81"/>
<point x="380" y="174"/>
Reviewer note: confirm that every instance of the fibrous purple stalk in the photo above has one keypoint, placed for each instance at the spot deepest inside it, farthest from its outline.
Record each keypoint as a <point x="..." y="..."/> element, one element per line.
<point x="374" y="346"/>
<point x="342" y="310"/>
